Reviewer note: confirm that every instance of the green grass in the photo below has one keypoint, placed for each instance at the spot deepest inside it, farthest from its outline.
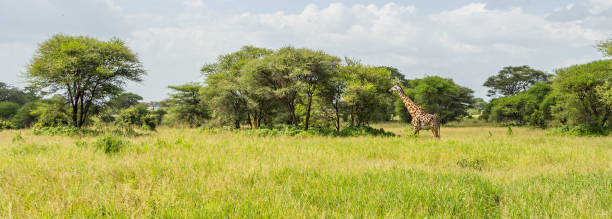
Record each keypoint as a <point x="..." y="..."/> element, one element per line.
<point x="471" y="172"/>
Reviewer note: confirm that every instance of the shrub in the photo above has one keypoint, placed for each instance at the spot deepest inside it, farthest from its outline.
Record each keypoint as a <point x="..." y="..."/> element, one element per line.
<point x="581" y="130"/>
<point x="24" y="116"/>
<point x="364" y="131"/>
<point x="317" y="131"/>
<point x="8" y="109"/>
<point x="61" y="130"/>
<point x="52" y="114"/>
<point x="110" y="144"/>
<point x="6" y="125"/>
<point x="137" y="116"/>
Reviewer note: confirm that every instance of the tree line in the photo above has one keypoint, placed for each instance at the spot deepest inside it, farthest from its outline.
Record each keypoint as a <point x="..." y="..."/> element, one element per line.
<point x="79" y="81"/>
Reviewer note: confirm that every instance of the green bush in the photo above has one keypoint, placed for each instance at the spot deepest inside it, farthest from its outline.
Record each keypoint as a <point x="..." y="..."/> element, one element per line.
<point x="137" y="116"/>
<point x="6" y="125"/>
<point x="317" y="131"/>
<point x="24" y="117"/>
<point x="364" y="131"/>
<point x="581" y="130"/>
<point x="8" y="109"/>
<point x="110" y="144"/>
<point x="61" y="130"/>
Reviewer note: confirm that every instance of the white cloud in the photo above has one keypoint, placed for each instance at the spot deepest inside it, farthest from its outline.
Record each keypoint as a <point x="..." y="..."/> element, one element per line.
<point x="194" y="3"/>
<point x="466" y="43"/>
<point x="599" y="6"/>
<point x="111" y="4"/>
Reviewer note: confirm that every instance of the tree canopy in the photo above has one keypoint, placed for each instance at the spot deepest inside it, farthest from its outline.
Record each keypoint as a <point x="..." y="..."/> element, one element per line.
<point x="85" y="70"/>
<point x="577" y="88"/>
<point x="605" y="47"/>
<point x="512" y="80"/>
<point x="441" y="96"/>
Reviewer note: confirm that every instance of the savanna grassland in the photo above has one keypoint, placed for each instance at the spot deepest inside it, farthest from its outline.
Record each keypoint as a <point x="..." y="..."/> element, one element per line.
<point x="471" y="172"/>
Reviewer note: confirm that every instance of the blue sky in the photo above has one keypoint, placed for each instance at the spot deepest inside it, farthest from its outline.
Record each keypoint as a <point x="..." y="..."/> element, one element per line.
<point x="463" y="40"/>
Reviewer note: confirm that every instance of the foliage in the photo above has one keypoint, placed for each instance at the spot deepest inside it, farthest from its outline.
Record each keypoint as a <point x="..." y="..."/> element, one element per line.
<point x="8" y="109"/>
<point x="512" y="80"/>
<point x="581" y="130"/>
<point x="604" y="91"/>
<point x="110" y="144"/>
<point x="365" y="95"/>
<point x="137" y="115"/>
<point x="350" y="131"/>
<point x="227" y="82"/>
<point x="605" y="47"/>
<point x="60" y="130"/>
<point x="25" y="116"/>
<point x="478" y="106"/>
<point x="186" y="105"/>
<point x="442" y="97"/>
<point x="530" y="107"/>
<point x="124" y="100"/>
<point x="6" y="125"/>
<point x="578" y="99"/>
<point x="51" y="113"/>
<point x="85" y="70"/>
<point x="16" y="95"/>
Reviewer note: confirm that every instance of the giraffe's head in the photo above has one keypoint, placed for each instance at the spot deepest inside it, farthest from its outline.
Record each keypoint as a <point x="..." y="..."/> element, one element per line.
<point x="395" y="88"/>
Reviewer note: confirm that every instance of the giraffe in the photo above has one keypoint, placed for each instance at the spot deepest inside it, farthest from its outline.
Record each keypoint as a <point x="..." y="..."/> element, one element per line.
<point x="419" y="117"/>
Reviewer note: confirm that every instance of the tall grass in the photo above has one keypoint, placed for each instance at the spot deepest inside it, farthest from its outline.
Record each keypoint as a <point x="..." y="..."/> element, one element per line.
<point x="471" y="172"/>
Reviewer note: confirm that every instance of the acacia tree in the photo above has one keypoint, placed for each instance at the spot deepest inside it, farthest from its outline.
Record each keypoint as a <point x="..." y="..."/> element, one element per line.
<point x="366" y="93"/>
<point x="514" y="79"/>
<point x="442" y="97"/>
<point x="85" y="70"/>
<point x="186" y="104"/>
<point x="314" y="69"/>
<point x="227" y="87"/>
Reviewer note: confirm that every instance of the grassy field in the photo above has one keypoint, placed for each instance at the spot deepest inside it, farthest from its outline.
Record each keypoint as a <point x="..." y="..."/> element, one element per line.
<point x="471" y="172"/>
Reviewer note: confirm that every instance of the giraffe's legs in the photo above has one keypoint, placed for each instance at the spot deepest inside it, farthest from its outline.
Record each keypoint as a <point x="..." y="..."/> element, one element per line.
<point x="416" y="129"/>
<point x="435" y="128"/>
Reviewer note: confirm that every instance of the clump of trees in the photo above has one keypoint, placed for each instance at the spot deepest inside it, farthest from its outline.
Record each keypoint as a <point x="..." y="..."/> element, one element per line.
<point x="303" y="87"/>
<point x="576" y="96"/>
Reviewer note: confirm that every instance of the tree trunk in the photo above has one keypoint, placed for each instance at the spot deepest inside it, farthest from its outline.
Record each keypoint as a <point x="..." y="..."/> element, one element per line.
<point x="75" y="111"/>
<point x="309" y="104"/>
<point x="81" y="105"/>
<point x="249" y="119"/>
<point x="337" y="117"/>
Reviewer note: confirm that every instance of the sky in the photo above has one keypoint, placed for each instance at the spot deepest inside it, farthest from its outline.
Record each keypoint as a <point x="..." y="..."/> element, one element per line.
<point x="464" y="40"/>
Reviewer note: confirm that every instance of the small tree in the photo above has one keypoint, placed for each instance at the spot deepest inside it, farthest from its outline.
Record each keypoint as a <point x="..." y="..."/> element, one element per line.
<point x="137" y="115"/>
<point x="187" y="105"/>
<point x="85" y="70"/>
<point x="124" y="101"/>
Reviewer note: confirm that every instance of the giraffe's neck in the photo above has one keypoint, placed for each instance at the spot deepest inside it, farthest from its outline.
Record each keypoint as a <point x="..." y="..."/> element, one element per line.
<point x="412" y="107"/>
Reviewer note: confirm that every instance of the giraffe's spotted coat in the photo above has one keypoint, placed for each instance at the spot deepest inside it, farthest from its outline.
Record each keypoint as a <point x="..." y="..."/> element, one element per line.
<point x="420" y="118"/>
